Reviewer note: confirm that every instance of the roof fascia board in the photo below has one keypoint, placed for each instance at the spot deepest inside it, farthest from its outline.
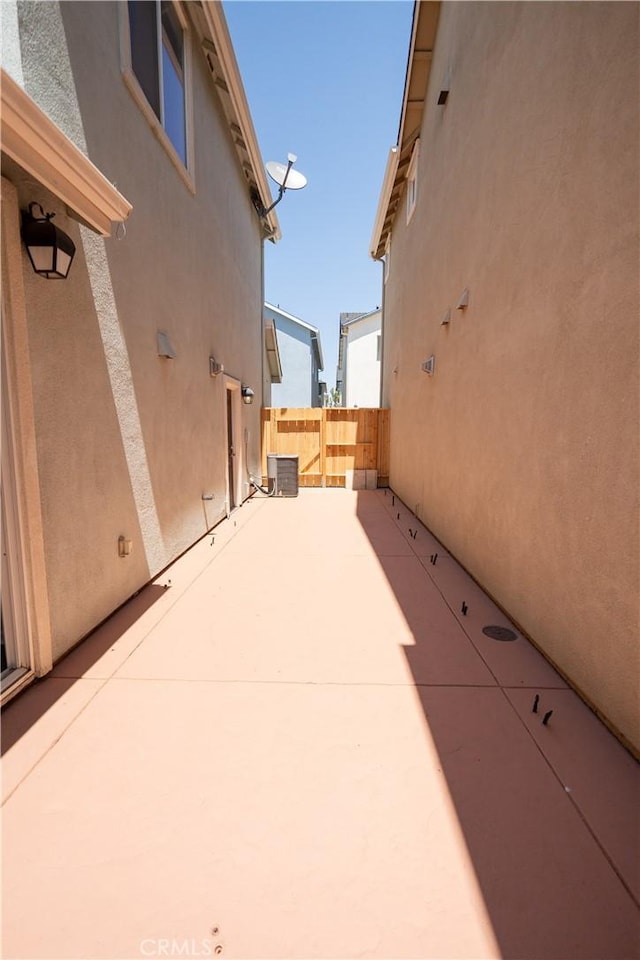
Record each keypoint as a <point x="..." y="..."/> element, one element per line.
<point x="36" y="144"/>
<point x="315" y="339"/>
<point x="273" y="351"/>
<point x="217" y="25"/>
<point x="385" y="195"/>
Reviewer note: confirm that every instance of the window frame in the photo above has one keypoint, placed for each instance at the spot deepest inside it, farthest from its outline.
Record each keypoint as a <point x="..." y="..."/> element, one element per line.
<point x="412" y="181"/>
<point x="184" y="168"/>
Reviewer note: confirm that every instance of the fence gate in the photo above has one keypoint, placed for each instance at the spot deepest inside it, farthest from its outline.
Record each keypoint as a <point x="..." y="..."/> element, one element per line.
<point x="328" y="441"/>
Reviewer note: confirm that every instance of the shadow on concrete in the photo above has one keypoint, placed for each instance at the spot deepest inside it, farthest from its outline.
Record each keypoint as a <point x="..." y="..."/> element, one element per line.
<point x="549" y="887"/>
<point x="27" y="708"/>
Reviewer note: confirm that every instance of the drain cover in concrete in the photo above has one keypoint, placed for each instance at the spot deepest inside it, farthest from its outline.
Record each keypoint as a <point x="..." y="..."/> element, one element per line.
<point x="499" y="633"/>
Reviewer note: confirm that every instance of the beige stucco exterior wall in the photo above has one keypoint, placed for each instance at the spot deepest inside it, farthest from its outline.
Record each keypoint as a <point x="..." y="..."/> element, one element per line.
<point x="521" y="452"/>
<point x="128" y="442"/>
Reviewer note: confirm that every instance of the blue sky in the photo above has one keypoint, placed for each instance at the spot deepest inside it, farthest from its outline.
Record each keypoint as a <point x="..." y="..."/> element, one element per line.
<point x="324" y="80"/>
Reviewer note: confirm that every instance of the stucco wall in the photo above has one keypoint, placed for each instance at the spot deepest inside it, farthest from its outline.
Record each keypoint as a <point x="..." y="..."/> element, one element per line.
<point x="294" y="343"/>
<point x="521" y="453"/>
<point x="128" y="442"/>
<point x="362" y="363"/>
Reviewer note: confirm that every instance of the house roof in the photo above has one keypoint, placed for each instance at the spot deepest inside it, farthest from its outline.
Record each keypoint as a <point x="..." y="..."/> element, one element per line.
<point x="423" y="35"/>
<point x="220" y="56"/>
<point x="315" y="333"/>
<point x="357" y="317"/>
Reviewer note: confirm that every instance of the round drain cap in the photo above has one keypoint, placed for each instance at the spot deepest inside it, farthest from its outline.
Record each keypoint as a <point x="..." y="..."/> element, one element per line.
<point x="499" y="633"/>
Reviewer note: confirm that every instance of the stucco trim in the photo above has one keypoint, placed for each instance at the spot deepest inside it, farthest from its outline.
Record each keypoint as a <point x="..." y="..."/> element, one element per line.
<point x="30" y="138"/>
<point x="235" y="105"/>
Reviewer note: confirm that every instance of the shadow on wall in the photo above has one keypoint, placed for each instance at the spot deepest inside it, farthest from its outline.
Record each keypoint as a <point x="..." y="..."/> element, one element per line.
<point x="26" y="709"/>
<point x="536" y="848"/>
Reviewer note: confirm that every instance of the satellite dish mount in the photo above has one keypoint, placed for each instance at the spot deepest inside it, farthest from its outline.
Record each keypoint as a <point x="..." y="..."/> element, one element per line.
<point x="286" y="178"/>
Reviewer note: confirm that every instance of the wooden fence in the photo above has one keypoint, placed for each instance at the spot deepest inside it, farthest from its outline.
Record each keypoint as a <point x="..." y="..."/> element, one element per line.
<point x="329" y="441"/>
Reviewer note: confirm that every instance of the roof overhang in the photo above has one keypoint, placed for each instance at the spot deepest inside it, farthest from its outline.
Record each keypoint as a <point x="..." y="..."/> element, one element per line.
<point x="317" y="346"/>
<point x="423" y="36"/>
<point x="273" y="352"/>
<point x="218" y="51"/>
<point x="36" y="144"/>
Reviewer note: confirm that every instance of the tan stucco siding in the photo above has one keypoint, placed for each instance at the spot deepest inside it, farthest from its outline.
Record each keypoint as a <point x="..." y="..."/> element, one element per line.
<point x="128" y="442"/>
<point x="521" y="452"/>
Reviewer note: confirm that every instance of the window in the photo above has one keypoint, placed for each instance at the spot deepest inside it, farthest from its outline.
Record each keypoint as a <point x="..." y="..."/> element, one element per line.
<point x="412" y="181"/>
<point x="157" y="40"/>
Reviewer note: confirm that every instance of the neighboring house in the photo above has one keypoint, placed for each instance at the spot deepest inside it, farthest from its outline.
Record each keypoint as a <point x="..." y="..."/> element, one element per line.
<point x="124" y="440"/>
<point x="510" y="208"/>
<point x="301" y="360"/>
<point x="359" y="358"/>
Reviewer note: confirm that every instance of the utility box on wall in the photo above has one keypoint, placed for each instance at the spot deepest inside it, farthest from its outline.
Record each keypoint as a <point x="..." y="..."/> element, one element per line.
<point x="282" y="474"/>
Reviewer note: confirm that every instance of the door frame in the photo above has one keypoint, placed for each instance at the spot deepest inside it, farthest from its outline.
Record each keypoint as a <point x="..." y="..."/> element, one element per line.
<point x="29" y="598"/>
<point x="233" y="386"/>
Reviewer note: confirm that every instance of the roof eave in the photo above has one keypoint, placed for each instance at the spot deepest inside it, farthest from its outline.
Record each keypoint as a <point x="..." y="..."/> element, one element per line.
<point x="236" y="108"/>
<point x="423" y="35"/>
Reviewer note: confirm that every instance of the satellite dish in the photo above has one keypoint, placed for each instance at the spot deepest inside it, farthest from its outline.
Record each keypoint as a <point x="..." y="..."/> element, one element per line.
<point x="284" y="176"/>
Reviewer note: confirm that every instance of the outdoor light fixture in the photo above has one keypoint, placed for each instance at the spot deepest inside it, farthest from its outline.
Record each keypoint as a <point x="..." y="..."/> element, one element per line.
<point x="247" y="395"/>
<point x="50" y="250"/>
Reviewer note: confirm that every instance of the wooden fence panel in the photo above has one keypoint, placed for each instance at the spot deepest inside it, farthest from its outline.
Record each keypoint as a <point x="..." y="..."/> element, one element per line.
<point x="328" y="442"/>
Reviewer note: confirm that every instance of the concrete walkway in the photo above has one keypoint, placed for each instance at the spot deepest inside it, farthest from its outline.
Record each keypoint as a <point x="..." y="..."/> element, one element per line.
<point x="295" y="745"/>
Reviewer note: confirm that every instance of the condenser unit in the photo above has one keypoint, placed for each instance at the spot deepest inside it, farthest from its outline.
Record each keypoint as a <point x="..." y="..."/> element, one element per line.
<point x="282" y="474"/>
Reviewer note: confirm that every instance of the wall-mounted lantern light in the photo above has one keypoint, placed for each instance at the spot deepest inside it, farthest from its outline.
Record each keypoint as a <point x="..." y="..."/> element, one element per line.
<point x="247" y="395"/>
<point x="50" y="250"/>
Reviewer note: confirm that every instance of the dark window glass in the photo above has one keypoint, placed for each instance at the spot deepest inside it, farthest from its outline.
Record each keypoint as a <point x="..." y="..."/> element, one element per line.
<point x="143" y="26"/>
<point x="172" y="30"/>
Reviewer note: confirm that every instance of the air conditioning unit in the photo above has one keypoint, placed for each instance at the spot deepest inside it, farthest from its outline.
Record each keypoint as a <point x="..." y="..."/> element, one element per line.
<point x="282" y="474"/>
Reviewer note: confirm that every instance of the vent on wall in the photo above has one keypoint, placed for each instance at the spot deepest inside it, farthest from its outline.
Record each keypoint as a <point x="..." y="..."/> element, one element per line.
<point x="429" y="366"/>
<point x="282" y="474"/>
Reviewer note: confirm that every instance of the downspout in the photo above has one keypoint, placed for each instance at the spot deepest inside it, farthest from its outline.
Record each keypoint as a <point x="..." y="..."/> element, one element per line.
<point x="382" y="326"/>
